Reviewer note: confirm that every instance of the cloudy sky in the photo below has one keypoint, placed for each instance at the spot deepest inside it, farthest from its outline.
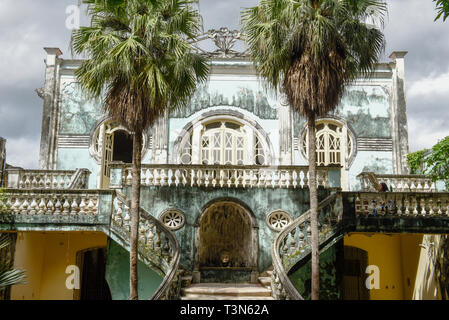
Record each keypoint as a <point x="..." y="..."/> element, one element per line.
<point x="29" y="25"/>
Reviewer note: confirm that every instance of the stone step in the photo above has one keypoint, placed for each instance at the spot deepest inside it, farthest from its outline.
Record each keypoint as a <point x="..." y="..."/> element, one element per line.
<point x="222" y="297"/>
<point x="267" y="273"/>
<point x="265" y="281"/>
<point x="222" y="289"/>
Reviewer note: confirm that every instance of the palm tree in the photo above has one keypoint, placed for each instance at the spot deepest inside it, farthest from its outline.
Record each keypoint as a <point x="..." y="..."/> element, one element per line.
<point x="142" y="64"/>
<point x="310" y="50"/>
<point x="8" y="276"/>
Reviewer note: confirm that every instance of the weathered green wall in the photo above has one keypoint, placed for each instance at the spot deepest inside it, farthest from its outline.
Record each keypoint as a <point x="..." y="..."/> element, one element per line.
<point x="331" y="270"/>
<point x="73" y="158"/>
<point x="193" y="200"/>
<point x="117" y="274"/>
<point x="78" y="113"/>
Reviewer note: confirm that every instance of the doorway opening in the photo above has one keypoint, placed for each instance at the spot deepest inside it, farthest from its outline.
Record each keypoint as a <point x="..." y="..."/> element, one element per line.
<point x="227" y="249"/>
<point x="92" y="265"/>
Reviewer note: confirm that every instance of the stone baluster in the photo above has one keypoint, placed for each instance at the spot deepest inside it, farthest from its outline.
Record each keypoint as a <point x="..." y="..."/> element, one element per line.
<point x="16" y="205"/>
<point x="292" y="241"/>
<point x="50" y="206"/>
<point x="74" y="208"/>
<point x="173" y="177"/>
<point x="92" y="208"/>
<point x="158" y="240"/>
<point x="143" y="177"/>
<point x="129" y="177"/>
<point x="33" y="205"/>
<point x="423" y="206"/>
<point x="142" y="231"/>
<point x="118" y="215"/>
<point x="415" y="206"/>
<point x="66" y="206"/>
<point x="150" y="236"/>
<point x="24" y="206"/>
<point x="126" y="218"/>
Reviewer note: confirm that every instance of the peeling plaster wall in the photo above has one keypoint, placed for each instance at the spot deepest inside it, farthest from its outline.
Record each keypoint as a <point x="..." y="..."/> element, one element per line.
<point x="380" y="162"/>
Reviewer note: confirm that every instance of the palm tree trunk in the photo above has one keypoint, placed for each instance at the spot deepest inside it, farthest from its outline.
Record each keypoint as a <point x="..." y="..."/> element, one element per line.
<point x="135" y="204"/>
<point x="314" y="209"/>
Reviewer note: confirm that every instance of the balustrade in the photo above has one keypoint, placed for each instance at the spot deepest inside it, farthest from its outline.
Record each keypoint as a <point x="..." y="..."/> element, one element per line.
<point x="225" y="176"/>
<point x="397" y="183"/>
<point x="49" y="204"/>
<point x="47" y="179"/>
<point x="401" y="204"/>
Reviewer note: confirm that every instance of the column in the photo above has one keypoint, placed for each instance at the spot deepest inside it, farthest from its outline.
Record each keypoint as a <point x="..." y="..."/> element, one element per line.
<point x="160" y="140"/>
<point x="285" y="131"/>
<point x="48" y="94"/>
<point x="399" y="114"/>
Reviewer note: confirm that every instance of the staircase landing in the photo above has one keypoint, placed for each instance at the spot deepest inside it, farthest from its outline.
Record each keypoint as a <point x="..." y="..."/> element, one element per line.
<point x="226" y="291"/>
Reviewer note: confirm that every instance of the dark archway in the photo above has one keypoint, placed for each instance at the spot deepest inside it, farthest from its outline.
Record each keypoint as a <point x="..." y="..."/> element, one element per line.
<point x="226" y="243"/>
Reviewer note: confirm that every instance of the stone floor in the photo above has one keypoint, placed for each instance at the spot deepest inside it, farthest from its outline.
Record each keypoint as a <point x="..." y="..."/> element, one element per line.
<point x="225" y="291"/>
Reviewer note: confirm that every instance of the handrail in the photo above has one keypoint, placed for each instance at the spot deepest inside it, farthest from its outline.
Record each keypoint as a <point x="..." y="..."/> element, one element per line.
<point x="397" y="182"/>
<point x="169" y="251"/>
<point x="79" y="179"/>
<point x="18" y="178"/>
<point x="280" y="277"/>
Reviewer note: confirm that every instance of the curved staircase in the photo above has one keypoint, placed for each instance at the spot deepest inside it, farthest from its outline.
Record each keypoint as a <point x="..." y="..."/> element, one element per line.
<point x="157" y="245"/>
<point x="293" y="244"/>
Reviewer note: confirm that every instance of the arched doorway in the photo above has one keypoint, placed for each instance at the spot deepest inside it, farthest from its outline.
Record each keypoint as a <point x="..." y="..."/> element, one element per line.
<point x="111" y="142"/>
<point x="226" y="244"/>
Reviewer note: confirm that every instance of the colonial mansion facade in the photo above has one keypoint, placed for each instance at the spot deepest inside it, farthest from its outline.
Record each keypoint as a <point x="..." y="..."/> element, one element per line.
<point x="224" y="199"/>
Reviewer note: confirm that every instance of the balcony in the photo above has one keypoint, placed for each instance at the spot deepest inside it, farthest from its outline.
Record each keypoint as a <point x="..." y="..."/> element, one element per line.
<point x="225" y="176"/>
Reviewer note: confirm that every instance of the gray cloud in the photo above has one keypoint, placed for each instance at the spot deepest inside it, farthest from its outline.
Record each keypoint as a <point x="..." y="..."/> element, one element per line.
<point x="28" y="26"/>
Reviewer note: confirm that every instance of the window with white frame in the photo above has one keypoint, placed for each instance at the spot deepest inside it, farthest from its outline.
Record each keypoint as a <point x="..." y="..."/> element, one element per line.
<point x="225" y="142"/>
<point x="334" y="144"/>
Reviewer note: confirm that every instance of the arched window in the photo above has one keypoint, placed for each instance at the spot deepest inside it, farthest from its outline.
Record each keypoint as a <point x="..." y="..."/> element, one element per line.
<point x="225" y="142"/>
<point x="334" y="144"/>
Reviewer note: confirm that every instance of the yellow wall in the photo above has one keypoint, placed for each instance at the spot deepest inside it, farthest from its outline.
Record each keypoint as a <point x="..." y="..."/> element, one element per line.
<point x="426" y="284"/>
<point x="45" y="256"/>
<point x="397" y="257"/>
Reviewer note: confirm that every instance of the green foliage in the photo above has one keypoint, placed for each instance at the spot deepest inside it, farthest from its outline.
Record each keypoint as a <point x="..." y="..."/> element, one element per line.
<point x="8" y="276"/>
<point x="433" y="163"/>
<point x="442" y="7"/>
<point x="437" y="163"/>
<point x="415" y="161"/>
